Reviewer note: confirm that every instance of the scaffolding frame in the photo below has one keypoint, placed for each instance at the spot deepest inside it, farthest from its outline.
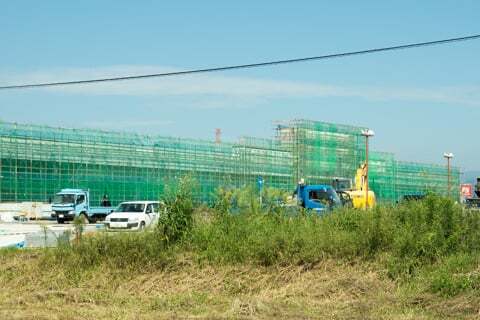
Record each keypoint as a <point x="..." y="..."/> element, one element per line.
<point x="322" y="152"/>
<point x="37" y="161"/>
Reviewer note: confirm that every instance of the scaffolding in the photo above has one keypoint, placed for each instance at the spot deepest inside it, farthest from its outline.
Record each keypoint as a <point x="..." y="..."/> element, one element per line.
<point x="419" y="178"/>
<point x="381" y="172"/>
<point x="37" y="161"/>
<point x="322" y="152"/>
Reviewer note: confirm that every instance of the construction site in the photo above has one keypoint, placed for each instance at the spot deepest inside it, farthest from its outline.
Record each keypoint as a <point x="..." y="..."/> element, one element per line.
<point x="37" y="161"/>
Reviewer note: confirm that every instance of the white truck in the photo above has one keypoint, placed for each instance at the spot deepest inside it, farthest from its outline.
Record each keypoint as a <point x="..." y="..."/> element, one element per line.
<point x="133" y="215"/>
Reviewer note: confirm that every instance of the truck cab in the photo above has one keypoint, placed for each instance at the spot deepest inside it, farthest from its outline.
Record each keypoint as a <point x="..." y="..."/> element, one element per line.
<point x="318" y="197"/>
<point x="70" y="203"/>
<point x="473" y="202"/>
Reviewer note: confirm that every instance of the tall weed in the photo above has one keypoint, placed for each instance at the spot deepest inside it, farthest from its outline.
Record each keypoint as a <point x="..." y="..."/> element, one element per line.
<point x="177" y="220"/>
<point x="413" y="239"/>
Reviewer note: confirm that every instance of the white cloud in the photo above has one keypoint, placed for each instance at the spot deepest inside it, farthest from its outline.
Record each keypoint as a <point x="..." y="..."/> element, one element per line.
<point x="222" y="86"/>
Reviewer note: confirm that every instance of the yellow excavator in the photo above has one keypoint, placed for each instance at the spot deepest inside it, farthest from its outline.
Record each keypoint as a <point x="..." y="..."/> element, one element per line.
<point x="355" y="194"/>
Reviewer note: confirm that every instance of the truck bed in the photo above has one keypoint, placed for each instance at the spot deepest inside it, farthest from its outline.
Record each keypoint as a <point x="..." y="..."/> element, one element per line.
<point x="100" y="211"/>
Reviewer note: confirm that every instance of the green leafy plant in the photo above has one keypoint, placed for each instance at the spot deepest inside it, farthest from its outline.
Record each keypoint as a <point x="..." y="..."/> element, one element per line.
<point x="424" y="241"/>
<point x="177" y="220"/>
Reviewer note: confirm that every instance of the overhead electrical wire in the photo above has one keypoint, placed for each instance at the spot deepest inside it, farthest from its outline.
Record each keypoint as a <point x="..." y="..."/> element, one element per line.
<point x="242" y="66"/>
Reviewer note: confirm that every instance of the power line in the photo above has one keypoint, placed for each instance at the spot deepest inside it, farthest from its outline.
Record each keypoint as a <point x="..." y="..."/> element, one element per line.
<point x="244" y="66"/>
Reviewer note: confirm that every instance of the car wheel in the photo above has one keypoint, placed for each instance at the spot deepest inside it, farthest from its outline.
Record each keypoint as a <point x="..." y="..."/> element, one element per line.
<point x="142" y="226"/>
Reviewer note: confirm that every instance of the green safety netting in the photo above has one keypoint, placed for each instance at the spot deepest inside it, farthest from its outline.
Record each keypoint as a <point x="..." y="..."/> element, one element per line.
<point x="37" y="161"/>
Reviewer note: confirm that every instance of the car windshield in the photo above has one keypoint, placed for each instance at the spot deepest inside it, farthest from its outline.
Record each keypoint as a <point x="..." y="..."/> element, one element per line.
<point x="340" y="184"/>
<point x="130" y="207"/>
<point x="64" y="198"/>
<point x="325" y="196"/>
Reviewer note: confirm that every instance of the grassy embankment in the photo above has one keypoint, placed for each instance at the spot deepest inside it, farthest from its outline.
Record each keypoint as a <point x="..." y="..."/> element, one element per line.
<point x="419" y="260"/>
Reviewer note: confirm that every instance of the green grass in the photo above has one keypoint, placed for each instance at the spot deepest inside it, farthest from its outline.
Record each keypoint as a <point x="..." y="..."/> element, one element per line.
<point x="415" y="260"/>
<point x="405" y="238"/>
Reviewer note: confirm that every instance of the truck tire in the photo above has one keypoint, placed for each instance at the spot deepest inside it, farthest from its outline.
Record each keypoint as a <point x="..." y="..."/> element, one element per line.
<point x="142" y="226"/>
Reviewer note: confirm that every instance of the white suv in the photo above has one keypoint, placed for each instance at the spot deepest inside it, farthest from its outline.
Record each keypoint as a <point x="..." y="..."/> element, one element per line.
<point x="133" y="215"/>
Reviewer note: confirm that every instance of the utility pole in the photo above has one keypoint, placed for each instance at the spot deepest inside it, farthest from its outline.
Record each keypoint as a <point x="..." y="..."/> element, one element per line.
<point x="448" y="156"/>
<point x="367" y="133"/>
<point x="218" y="135"/>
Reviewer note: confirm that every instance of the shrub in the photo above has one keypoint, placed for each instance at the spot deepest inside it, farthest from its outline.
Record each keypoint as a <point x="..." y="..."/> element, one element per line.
<point x="454" y="274"/>
<point x="434" y="239"/>
<point x="411" y="235"/>
<point x="177" y="220"/>
<point x="249" y="200"/>
<point x="118" y="251"/>
<point x="425" y="231"/>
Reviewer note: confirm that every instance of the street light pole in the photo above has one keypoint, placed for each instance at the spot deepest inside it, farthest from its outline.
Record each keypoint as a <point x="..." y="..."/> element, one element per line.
<point x="367" y="133"/>
<point x="448" y="156"/>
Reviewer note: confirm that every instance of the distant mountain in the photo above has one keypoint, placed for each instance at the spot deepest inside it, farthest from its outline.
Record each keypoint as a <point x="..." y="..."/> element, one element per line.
<point x="470" y="176"/>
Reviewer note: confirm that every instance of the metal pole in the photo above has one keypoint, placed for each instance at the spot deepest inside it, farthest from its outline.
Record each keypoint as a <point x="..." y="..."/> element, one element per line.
<point x="449" y="156"/>
<point x="366" y="172"/>
<point x="448" y="176"/>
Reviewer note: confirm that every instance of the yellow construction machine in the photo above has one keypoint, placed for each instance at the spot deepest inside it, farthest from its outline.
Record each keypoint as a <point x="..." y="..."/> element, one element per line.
<point x="357" y="192"/>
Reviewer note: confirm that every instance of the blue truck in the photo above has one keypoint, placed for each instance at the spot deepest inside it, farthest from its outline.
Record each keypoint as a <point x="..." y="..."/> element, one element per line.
<point x="71" y="203"/>
<point x="474" y="201"/>
<point x="317" y="197"/>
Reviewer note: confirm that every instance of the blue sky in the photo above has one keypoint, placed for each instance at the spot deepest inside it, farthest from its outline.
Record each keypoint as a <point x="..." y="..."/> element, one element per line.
<point x="420" y="102"/>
